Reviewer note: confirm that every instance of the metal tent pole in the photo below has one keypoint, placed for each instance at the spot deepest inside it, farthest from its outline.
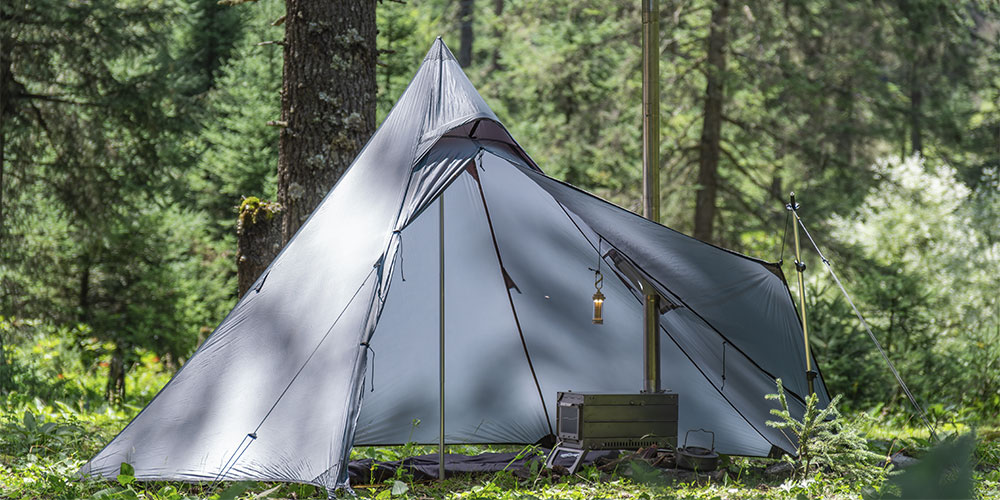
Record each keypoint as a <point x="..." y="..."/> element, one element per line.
<point x="441" y="335"/>
<point x="864" y="323"/>
<point x="651" y="178"/>
<point x="800" y="268"/>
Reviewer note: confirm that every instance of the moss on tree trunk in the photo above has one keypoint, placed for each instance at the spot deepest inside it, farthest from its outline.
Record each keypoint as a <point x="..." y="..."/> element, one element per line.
<point x="258" y="240"/>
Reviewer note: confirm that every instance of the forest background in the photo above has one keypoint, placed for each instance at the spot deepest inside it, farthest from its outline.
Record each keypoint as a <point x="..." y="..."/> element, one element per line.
<point x="133" y="130"/>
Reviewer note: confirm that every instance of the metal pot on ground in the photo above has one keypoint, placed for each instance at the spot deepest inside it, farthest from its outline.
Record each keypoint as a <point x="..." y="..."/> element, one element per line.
<point x="697" y="458"/>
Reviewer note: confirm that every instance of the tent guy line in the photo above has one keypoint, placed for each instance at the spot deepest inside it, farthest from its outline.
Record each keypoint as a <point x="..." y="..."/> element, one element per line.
<point x="864" y="323"/>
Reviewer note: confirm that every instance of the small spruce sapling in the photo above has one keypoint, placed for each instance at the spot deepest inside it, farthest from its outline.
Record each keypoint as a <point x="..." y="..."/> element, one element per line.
<point x="826" y="440"/>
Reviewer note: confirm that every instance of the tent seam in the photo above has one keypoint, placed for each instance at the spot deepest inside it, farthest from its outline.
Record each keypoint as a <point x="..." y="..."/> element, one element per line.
<point x="232" y="463"/>
<point x="510" y="297"/>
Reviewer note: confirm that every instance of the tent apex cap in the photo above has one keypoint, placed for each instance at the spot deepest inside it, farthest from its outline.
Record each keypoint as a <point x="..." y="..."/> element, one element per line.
<point x="439" y="51"/>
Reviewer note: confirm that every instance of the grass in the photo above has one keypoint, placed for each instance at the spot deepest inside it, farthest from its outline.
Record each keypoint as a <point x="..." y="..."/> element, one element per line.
<point x="44" y="444"/>
<point x="42" y="462"/>
<point x="48" y="433"/>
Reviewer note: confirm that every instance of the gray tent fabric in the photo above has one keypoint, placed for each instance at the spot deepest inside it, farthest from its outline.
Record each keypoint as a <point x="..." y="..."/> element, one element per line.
<point x="336" y="344"/>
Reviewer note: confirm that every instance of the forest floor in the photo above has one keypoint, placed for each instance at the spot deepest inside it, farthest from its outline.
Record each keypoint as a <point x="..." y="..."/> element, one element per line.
<point x="50" y="428"/>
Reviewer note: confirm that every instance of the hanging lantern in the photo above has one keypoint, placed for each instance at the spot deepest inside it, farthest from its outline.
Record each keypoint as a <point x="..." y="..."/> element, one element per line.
<point x="598" y="299"/>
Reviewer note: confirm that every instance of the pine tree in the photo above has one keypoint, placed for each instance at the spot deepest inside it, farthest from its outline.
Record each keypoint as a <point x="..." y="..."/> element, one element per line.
<point x="825" y="440"/>
<point x="94" y="106"/>
<point x="238" y="149"/>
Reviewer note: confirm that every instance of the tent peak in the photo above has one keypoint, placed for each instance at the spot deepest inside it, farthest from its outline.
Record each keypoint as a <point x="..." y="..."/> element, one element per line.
<point x="440" y="52"/>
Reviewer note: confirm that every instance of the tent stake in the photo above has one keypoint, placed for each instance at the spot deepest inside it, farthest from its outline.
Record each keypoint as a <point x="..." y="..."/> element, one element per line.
<point x="651" y="179"/>
<point x="800" y="268"/>
<point x="441" y="335"/>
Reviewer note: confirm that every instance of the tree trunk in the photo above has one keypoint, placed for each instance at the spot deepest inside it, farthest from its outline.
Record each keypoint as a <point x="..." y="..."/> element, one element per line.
<point x="917" y="60"/>
<point x="115" y="391"/>
<point x="709" y="146"/>
<point x="845" y="134"/>
<point x="258" y="240"/>
<point x="497" y="35"/>
<point x="3" y="368"/>
<point x="776" y="190"/>
<point x="4" y="97"/>
<point x="327" y="100"/>
<point x="916" y="97"/>
<point x="466" y="33"/>
<point x="84" y="291"/>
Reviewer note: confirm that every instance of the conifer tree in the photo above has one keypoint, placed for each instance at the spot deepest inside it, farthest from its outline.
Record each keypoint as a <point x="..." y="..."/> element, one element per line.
<point x="94" y="108"/>
<point x="239" y="149"/>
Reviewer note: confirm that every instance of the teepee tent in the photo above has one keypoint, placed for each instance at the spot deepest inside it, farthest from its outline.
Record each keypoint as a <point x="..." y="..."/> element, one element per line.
<point x="337" y="344"/>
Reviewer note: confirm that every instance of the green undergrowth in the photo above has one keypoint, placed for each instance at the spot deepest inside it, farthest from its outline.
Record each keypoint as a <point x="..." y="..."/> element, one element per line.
<point x="44" y="444"/>
<point x="48" y="431"/>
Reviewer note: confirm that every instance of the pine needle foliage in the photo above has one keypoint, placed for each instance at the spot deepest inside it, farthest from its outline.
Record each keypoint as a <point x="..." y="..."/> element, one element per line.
<point x="827" y="441"/>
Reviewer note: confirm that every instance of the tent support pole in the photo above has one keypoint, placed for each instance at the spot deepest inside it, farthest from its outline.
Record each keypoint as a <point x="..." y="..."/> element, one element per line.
<point x="800" y="268"/>
<point x="441" y="335"/>
<point x="868" y="329"/>
<point x="651" y="178"/>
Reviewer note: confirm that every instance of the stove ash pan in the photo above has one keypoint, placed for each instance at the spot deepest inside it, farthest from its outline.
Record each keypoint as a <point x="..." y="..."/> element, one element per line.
<point x="598" y="421"/>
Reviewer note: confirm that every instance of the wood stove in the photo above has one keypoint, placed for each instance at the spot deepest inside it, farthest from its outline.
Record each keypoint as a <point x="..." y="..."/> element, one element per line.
<point x="601" y="421"/>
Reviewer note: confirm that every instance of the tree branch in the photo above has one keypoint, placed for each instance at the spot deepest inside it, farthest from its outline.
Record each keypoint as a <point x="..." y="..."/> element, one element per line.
<point x="50" y="98"/>
<point x="738" y="166"/>
<point x="745" y="204"/>
<point x="754" y="129"/>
